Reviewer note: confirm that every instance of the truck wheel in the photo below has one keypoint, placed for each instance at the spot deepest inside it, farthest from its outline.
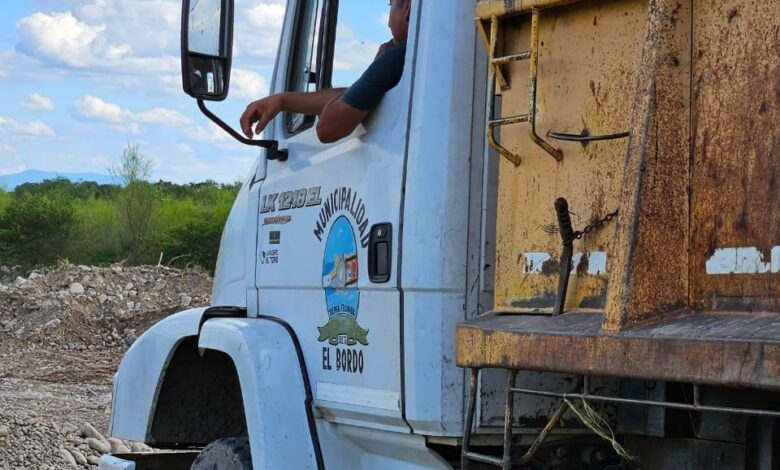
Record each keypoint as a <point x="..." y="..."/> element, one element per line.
<point x="225" y="454"/>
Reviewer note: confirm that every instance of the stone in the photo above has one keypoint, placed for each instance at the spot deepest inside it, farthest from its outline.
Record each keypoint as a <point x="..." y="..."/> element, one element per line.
<point x="102" y="298"/>
<point x="87" y="430"/>
<point x="4" y="431"/>
<point x="131" y="338"/>
<point x="76" y="289"/>
<point x="117" y="446"/>
<point x="78" y="457"/>
<point x="70" y="462"/>
<point x="93" y="460"/>
<point x="102" y="447"/>
<point x="185" y="300"/>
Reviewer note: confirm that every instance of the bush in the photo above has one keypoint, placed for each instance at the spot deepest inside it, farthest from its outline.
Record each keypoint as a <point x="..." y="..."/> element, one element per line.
<point x="196" y="242"/>
<point x="189" y="229"/>
<point x="35" y="230"/>
<point x="97" y="236"/>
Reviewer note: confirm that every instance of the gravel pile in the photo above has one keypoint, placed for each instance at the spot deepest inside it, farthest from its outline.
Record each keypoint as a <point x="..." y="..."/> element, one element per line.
<point x="41" y="444"/>
<point x="62" y="334"/>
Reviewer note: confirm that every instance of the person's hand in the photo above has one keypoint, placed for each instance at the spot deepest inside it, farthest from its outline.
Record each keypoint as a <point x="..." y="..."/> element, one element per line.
<point x="260" y="112"/>
<point x="384" y="48"/>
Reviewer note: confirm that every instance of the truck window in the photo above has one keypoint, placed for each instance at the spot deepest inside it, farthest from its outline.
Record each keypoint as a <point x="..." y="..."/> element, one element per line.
<point x="361" y="27"/>
<point x="334" y="44"/>
<point x="306" y="58"/>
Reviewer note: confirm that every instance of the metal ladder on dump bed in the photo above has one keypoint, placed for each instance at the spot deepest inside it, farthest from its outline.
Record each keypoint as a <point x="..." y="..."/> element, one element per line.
<point x="495" y="74"/>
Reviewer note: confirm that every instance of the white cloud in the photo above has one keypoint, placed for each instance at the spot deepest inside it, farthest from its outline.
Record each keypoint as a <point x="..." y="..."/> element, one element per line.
<point x="31" y="128"/>
<point x="150" y="26"/>
<point x="91" y="107"/>
<point x="171" y="84"/>
<point x="163" y="116"/>
<point x="131" y="38"/>
<point x="258" y="28"/>
<point x="249" y="85"/>
<point x="63" y="39"/>
<point x="61" y="36"/>
<point x="96" y="109"/>
<point x="38" y="102"/>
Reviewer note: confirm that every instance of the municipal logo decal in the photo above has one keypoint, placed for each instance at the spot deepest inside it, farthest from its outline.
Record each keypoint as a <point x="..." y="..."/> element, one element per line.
<point x="340" y="274"/>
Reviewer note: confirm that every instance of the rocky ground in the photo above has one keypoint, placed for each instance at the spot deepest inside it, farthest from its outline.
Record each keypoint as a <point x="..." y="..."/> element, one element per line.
<point x="62" y="334"/>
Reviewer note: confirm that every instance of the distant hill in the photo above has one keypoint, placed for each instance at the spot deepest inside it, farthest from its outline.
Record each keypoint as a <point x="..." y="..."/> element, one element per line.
<point x="10" y="182"/>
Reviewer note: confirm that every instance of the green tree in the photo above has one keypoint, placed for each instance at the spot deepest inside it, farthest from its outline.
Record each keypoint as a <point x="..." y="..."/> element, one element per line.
<point x="137" y="200"/>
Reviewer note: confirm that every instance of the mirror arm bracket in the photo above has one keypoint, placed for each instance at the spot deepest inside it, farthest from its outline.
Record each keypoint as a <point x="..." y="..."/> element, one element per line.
<point x="271" y="146"/>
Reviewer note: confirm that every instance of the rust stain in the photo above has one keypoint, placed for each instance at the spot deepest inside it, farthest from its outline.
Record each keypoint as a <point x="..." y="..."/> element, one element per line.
<point x="586" y="74"/>
<point x="649" y="277"/>
<point x="736" y="148"/>
<point x="577" y="346"/>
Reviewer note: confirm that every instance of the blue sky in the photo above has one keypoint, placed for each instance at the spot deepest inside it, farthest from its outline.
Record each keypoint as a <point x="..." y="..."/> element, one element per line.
<point x="79" y="79"/>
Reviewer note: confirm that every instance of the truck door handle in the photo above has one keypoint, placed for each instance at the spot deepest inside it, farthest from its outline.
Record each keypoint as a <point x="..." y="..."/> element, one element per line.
<point x="380" y="249"/>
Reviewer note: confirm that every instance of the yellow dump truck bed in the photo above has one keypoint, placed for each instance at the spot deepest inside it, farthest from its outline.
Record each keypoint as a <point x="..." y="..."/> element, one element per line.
<point x="695" y="248"/>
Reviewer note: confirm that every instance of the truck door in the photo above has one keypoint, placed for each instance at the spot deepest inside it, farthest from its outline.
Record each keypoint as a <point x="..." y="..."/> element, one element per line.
<point x="323" y="209"/>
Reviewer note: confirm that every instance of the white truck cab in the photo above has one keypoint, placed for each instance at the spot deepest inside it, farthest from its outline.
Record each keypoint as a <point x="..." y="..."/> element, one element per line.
<point x="343" y="268"/>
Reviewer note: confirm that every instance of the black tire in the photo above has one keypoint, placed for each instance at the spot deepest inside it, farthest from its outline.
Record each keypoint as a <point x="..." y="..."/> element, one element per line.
<point x="225" y="454"/>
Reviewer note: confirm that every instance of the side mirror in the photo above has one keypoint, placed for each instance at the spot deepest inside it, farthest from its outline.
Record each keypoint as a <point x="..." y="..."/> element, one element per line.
<point x="206" y="48"/>
<point x="206" y="57"/>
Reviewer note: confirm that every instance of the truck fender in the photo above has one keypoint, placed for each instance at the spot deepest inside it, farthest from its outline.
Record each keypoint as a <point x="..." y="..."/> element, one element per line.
<point x="275" y="389"/>
<point x="138" y="378"/>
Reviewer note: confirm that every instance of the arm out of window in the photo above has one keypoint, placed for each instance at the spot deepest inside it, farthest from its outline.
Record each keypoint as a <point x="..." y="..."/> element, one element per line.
<point x="261" y="112"/>
<point x="338" y="120"/>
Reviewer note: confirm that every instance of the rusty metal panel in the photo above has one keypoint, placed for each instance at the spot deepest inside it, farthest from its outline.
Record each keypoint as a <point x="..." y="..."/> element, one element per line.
<point x="588" y="60"/>
<point x="734" y="350"/>
<point x="735" y="257"/>
<point x="650" y="275"/>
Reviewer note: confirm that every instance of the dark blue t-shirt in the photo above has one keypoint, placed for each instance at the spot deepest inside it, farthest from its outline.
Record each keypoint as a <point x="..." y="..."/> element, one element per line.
<point x="382" y="76"/>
